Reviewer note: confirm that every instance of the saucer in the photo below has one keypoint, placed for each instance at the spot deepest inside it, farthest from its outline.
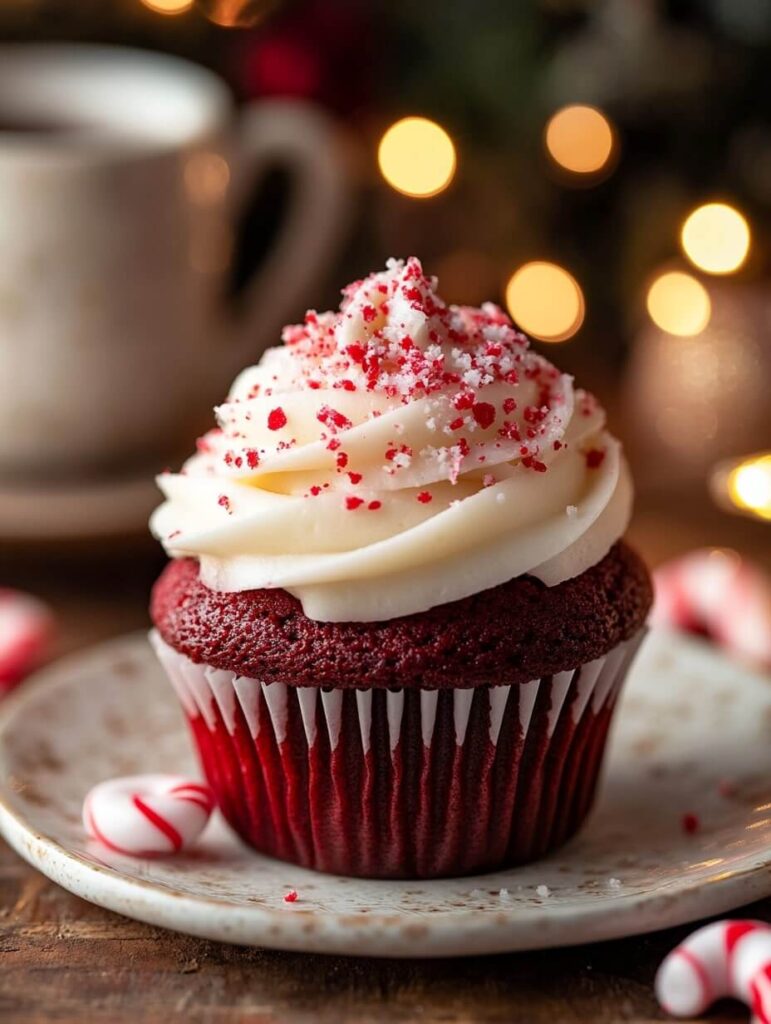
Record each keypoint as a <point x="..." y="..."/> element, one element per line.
<point x="82" y="510"/>
<point x="692" y="738"/>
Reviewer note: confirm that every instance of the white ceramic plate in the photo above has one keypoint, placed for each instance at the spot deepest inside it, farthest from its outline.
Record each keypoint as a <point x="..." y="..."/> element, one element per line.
<point x="693" y="735"/>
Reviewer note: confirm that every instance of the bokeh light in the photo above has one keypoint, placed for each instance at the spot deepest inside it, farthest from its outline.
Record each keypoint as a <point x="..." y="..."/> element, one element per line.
<point x="749" y="485"/>
<point x="417" y="157"/>
<point x="716" y="238"/>
<point x="679" y="304"/>
<point x="545" y="301"/>
<point x="236" y="13"/>
<point x="168" y="6"/>
<point x="579" y="139"/>
<point x="207" y="176"/>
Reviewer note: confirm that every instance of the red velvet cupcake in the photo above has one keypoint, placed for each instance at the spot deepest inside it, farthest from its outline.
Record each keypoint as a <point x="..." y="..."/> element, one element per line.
<point x="399" y="610"/>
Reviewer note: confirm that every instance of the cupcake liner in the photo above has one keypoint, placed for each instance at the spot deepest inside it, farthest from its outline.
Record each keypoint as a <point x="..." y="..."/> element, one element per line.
<point x="402" y="783"/>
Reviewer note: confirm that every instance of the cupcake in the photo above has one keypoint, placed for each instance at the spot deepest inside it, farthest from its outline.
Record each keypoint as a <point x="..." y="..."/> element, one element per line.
<point x="399" y="610"/>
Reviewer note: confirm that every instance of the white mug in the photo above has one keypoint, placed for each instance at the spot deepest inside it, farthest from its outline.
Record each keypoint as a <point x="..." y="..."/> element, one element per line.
<point x="122" y="174"/>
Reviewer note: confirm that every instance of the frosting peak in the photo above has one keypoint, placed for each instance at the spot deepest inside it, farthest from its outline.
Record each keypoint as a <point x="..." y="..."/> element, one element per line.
<point x="394" y="455"/>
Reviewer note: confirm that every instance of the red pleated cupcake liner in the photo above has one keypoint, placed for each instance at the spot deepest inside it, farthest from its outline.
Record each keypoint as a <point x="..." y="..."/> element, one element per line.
<point x="403" y="783"/>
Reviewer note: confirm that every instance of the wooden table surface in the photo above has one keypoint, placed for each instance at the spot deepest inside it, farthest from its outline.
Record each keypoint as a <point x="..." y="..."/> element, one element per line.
<point x="62" y="959"/>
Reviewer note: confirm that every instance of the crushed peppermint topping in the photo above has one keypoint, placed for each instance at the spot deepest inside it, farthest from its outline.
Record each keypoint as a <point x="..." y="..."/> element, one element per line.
<point x="394" y="342"/>
<point x="224" y="502"/>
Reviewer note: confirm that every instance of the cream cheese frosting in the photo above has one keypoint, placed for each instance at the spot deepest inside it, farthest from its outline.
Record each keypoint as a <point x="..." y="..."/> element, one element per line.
<point x="395" y="455"/>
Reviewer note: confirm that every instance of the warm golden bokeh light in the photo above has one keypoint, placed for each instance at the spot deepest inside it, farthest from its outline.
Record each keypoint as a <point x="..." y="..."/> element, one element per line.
<point x="580" y="139"/>
<point x="749" y="485"/>
<point x="716" y="238"/>
<point x="236" y="13"/>
<point x="679" y="304"/>
<point x="207" y="176"/>
<point x="545" y="301"/>
<point x="417" y="157"/>
<point x="168" y="6"/>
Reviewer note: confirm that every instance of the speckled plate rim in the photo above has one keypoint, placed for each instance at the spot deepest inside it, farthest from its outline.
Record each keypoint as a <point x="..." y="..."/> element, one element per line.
<point x="458" y="932"/>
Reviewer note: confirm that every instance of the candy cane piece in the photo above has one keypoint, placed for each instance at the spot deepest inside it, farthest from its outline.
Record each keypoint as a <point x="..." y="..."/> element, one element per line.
<point x="717" y="593"/>
<point x="26" y="628"/>
<point x="727" y="958"/>
<point x="147" y="815"/>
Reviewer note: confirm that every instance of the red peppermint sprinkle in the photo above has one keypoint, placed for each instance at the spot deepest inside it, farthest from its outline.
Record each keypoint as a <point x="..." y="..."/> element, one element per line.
<point x="224" y="502"/>
<point x="374" y="505"/>
<point x="332" y="418"/>
<point x="457" y="424"/>
<point x="690" y="823"/>
<point x="510" y="431"/>
<point x="533" y="414"/>
<point x="352" y="502"/>
<point x="355" y="478"/>
<point x="334" y="444"/>
<point x="530" y="462"/>
<point x="356" y="352"/>
<point x="369" y="313"/>
<point x="509" y="405"/>
<point x="276" y="419"/>
<point x="594" y="457"/>
<point x="291" y="896"/>
<point x="484" y="414"/>
<point x="424" y="497"/>
<point x="315" y="490"/>
<point x="346" y="385"/>
<point x="342" y="460"/>
<point x="465" y="400"/>
<point x="252" y="458"/>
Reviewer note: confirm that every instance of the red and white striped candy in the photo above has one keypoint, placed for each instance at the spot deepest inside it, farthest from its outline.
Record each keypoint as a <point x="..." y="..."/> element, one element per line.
<point x="716" y="593"/>
<point x="26" y="628"/>
<point x="147" y="815"/>
<point x="728" y="958"/>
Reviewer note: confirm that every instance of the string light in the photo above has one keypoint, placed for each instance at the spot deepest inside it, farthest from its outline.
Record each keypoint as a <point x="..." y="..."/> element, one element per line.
<point x="417" y="157"/>
<point x="745" y="485"/>
<point x="679" y="304"/>
<point x="168" y="6"/>
<point x="579" y="139"/>
<point x="716" y="238"/>
<point x="545" y="301"/>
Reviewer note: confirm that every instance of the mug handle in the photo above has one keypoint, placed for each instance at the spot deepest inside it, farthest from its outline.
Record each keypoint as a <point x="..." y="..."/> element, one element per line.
<point x="297" y="136"/>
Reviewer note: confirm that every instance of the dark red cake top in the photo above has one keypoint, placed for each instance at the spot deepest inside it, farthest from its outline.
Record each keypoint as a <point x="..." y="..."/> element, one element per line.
<point x="518" y="631"/>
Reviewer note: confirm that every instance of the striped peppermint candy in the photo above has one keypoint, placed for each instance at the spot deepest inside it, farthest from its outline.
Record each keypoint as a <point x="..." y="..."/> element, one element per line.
<point x="715" y="592"/>
<point x="147" y="815"/>
<point x="26" y="627"/>
<point x="728" y="958"/>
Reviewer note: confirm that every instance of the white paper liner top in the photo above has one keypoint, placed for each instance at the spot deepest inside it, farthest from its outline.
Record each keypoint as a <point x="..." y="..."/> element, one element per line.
<point x="206" y="691"/>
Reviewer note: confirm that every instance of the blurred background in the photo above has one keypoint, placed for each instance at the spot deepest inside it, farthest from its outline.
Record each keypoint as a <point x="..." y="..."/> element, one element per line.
<point x="601" y="169"/>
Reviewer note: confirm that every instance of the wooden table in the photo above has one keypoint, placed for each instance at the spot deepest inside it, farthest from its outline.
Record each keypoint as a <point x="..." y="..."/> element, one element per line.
<point x="62" y="959"/>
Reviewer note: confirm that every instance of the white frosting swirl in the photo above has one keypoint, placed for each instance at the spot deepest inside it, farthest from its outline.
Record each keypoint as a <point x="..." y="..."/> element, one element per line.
<point x="394" y="456"/>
